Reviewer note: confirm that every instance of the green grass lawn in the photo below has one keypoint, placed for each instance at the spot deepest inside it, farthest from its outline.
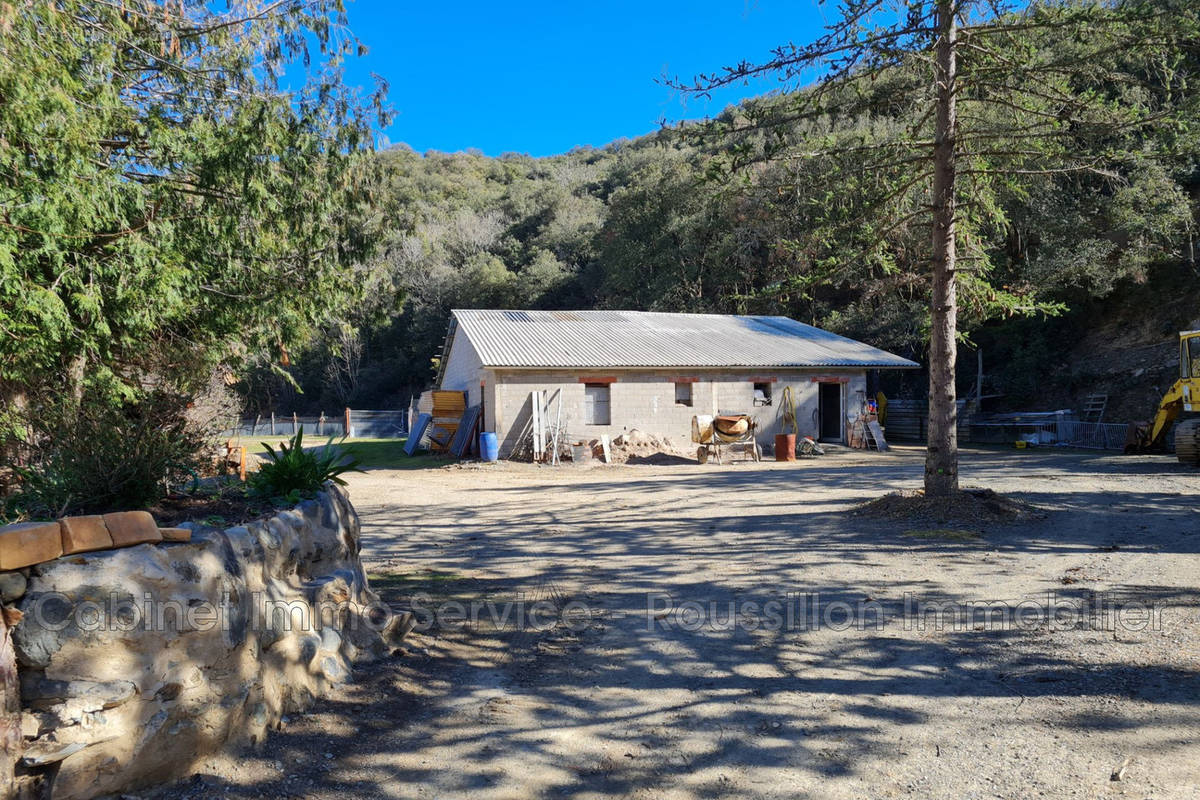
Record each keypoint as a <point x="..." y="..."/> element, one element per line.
<point x="371" y="453"/>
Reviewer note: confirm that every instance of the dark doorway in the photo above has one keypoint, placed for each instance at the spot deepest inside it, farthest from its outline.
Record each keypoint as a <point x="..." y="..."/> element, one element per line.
<point x="830" y="402"/>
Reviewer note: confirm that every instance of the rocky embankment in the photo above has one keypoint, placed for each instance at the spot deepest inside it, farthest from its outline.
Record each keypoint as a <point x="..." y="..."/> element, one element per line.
<point x="134" y="663"/>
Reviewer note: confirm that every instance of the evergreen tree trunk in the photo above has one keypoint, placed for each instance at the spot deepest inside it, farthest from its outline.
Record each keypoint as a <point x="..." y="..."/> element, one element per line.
<point x="76" y="372"/>
<point x="941" y="459"/>
<point x="14" y="402"/>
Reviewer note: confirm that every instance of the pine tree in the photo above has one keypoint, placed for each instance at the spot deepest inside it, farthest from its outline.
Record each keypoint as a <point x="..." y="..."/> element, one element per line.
<point x="998" y="92"/>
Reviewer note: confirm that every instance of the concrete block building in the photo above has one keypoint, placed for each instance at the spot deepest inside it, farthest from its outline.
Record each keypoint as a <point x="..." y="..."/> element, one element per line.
<point x="620" y="370"/>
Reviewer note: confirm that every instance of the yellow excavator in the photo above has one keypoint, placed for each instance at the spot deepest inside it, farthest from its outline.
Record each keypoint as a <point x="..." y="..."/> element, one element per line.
<point x="1180" y="405"/>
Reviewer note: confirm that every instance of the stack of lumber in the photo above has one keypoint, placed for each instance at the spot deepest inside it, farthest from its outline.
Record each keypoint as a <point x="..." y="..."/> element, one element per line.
<point x="448" y="408"/>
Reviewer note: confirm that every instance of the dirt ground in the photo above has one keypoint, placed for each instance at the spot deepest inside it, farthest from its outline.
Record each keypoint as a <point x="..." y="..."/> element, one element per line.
<point x="629" y="690"/>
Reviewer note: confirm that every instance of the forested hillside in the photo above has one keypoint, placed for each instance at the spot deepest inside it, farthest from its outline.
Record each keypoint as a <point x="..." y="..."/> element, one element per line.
<point x="1064" y="271"/>
<point x="194" y="199"/>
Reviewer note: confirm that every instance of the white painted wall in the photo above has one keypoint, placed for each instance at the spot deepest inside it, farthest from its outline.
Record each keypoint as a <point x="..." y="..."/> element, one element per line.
<point x="645" y="400"/>
<point x="464" y="370"/>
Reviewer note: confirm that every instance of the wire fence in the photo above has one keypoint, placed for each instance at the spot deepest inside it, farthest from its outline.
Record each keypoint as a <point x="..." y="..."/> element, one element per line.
<point x="1093" y="435"/>
<point x="1061" y="433"/>
<point x="910" y="424"/>
<point x="353" y="422"/>
<point x="366" y="424"/>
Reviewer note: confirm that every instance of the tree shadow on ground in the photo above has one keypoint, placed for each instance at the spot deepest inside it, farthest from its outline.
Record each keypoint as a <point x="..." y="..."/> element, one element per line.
<point x="910" y="658"/>
<point x="723" y="699"/>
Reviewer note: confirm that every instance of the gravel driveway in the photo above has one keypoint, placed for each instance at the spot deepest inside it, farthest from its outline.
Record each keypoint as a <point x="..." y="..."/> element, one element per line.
<point x="736" y="631"/>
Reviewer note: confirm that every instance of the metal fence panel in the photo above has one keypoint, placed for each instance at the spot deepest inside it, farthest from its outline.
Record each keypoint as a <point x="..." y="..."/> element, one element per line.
<point x="378" y="424"/>
<point x="908" y="423"/>
<point x="365" y="424"/>
<point x="284" y="426"/>
<point x="1093" y="435"/>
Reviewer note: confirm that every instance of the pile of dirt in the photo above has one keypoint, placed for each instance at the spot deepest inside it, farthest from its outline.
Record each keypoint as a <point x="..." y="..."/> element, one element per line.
<point x="662" y="459"/>
<point x="965" y="507"/>
<point x="637" y="447"/>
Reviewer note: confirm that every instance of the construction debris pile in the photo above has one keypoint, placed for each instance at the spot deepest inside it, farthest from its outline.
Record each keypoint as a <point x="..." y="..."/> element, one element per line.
<point x="543" y="436"/>
<point x="450" y="427"/>
<point x="636" y="447"/>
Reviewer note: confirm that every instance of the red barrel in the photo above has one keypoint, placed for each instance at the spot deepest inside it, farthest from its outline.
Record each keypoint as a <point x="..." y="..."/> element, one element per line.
<point x="785" y="447"/>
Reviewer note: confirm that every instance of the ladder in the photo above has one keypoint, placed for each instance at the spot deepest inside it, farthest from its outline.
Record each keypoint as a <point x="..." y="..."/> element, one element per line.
<point x="875" y="436"/>
<point x="1093" y="408"/>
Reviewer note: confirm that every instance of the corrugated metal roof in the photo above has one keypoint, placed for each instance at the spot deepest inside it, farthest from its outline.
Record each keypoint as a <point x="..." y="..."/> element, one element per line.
<point x="650" y="339"/>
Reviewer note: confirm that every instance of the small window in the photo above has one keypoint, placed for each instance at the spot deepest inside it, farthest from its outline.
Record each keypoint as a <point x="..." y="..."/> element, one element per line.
<point x="683" y="394"/>
<point x="762" y="394"/>
<point x="596" y="404"/>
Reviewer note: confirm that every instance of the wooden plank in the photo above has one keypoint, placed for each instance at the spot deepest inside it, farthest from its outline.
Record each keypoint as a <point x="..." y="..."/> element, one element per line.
<point x="604" y="448"/>
<point x="417" y="433"/>
<point x="856" y="435"/>
<point x="877" y="434"/>
<point x="557" y="423"/>
<point x="539" y="434"/>
<point x="448" y="406"/>
<point x="449" y="401"/>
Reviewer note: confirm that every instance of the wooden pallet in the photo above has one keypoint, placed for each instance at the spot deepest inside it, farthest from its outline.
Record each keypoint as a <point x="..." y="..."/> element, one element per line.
<point x="449" y="404"/>
<point x="448" y="409"/>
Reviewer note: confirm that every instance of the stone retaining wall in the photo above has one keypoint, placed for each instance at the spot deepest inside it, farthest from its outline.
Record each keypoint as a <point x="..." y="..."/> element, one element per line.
<point x="134" y="663"/>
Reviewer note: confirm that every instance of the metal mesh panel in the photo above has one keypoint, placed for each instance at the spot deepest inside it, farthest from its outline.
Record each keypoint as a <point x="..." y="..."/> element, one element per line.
<point x="365" y="424"/>
<point x="1094" y="435"/>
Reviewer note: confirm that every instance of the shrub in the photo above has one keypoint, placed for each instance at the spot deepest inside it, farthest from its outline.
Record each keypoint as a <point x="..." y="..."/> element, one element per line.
<point x="92" y="456"/>
<point x="293" y="472"/>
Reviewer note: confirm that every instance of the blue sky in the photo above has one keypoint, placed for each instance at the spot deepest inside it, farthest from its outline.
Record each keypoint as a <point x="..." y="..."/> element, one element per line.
<point x="543" y="77"/>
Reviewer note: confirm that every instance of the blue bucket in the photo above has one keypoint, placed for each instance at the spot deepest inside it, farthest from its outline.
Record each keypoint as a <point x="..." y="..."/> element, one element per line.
<point x="489" y="446"/>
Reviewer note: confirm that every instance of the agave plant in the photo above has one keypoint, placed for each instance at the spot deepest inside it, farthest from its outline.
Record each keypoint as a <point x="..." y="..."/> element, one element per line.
<point x="293" y="472"/>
